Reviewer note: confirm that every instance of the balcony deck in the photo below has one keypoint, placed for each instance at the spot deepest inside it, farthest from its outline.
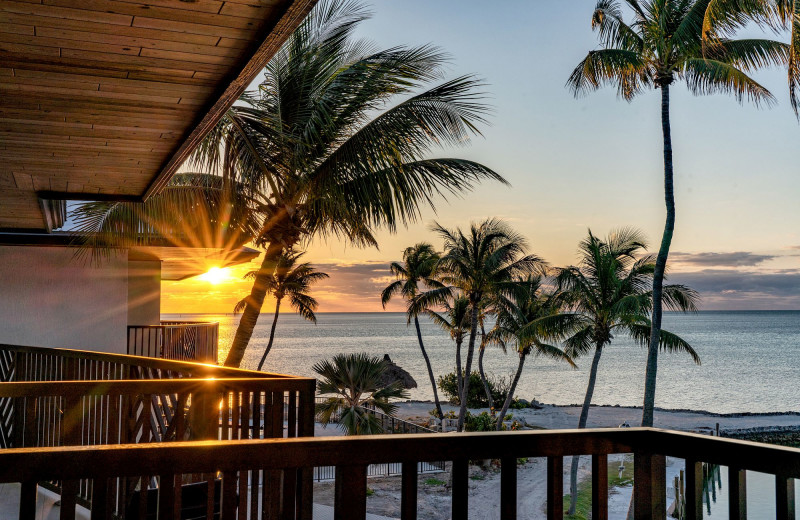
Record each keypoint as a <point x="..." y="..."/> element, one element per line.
<point x="99" y="429"/>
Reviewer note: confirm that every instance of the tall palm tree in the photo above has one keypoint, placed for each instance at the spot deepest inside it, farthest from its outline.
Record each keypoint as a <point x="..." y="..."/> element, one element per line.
<point x="724" y="16"/>
<point x="293" y="280"/>
<point x="454" y="320"/>
<point x="608" y="293"/>
<point x="337" y="141"/>
<point x="481" y="262"/>
<point x="355" y="381"/>
<point x="664" y="43"/>
<point x="518" y="323"/>
<point x="418" y="268"/>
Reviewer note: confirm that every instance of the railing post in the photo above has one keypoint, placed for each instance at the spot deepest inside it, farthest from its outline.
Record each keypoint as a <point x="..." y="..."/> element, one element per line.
<point x="555" y="488"/>
<point x="737" y="493"/>
<point x="460" y="498"/>
<point x="694" y="489"/>
<point x="649" y="486"/>
<point x="305" y="428"/>
<point x="350" y="499"/>
<point x="508" y="488"/>
<point x="408" y="496"/>
<point x="784" y="498"/>
<point x="599" y="487"/>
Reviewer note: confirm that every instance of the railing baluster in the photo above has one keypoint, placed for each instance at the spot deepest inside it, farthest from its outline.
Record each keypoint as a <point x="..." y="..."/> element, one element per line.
<point x="508" y="488"/>
<point x="737" y="493"/>
<point x="290" y="493"/>
<point x="229" y="501"/>
<point x="599" y="487"/>
<point x="408" y="496"/>
<point x="350" y="501"/>
<point x="27" y="500"/>
<point x="166" y="497"/>
<point x="460" y="489"/>
<point x="784" y="498"/>
<point x="69" y="493"/>
<point x="101" y="507"/>
<point x="694" y="489"/>
<point x="649" y="486"/>
<point x="555" y="488"/>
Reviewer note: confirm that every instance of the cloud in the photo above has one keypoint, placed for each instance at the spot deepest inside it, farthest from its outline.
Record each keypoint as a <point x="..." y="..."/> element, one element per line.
<point x="734" y="259"/>
<point x="354" y="287"/>
<point x="744" y="290"/>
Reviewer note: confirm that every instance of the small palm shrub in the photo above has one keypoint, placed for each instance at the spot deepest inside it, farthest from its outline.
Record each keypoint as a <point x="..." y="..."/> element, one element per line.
<point x="353" y="382"/>
<point x="476" y="397"/>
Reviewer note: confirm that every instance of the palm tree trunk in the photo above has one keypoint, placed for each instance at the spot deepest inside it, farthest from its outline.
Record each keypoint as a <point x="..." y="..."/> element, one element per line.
<point x="661" y="264"/>
<point x="485" y="381"/>
<point x="459" y="373"/>
<point x="473" y="331"/>
<point x="430" y="370"/>
<point x="271" y="334"/>
<point x="253" y="305"/>
<point x="511" y="391"/>
<point x="587" y="401"/>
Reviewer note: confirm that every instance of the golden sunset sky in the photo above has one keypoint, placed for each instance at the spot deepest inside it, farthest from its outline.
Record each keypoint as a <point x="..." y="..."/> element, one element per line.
<point x="574" y="164"/>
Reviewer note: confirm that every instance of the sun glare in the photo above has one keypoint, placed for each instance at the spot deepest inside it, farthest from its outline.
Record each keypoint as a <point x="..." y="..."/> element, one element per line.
<point x="214" y="275"/>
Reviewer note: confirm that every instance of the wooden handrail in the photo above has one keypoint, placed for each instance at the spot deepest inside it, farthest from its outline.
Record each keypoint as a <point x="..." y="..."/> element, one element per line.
<point x="189" y="367"/>
<point x="74" y="462"/>
<point x="152" y="386"/>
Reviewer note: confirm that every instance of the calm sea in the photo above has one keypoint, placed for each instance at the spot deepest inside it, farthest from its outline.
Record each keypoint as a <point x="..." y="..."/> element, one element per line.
<point x="751" y="360"/>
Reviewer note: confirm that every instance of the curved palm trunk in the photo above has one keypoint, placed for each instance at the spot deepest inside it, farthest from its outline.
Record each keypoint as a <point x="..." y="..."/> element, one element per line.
<point x="661" y="264"/>
<point x="484" y="380"/>
<point x="459" y="373"/>
<point x="253" y="305"/>
<point x="430" y="370"/>
<point x="271" y="334"/>
<point x="511" y="390"/>
<point x="587" y="401"/>
<point x="473" y="331"/>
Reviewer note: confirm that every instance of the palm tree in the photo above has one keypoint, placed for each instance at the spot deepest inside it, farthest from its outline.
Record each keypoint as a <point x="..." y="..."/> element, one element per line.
<point x="609" y="292"/>
<point x="724" y="16"/>
<point x="418" y="267"/>
<point x="293" y="280"/>
<point x="355" y="379"/>
<point x="480" y="263"/>
<point x="518" y="322"/>
<point x="323" y="148"/>
<point x="664" y="43"/>
<point x="455" y="321"/>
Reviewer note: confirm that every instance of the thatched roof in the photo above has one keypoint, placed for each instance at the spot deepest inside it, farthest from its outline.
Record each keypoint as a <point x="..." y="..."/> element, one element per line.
<point x="395" y="373"/>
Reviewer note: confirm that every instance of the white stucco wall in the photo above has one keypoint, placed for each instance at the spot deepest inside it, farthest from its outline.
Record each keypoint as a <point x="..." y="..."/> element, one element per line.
<point x="144" y="292"/>
<point x="49" y="299"/>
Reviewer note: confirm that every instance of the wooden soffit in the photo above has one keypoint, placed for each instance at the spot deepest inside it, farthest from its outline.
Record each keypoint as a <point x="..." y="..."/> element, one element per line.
<point x="104" y="99"/>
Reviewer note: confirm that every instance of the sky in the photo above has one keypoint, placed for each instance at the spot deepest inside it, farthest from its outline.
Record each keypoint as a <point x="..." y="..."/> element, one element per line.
<point x="578" y="164"/>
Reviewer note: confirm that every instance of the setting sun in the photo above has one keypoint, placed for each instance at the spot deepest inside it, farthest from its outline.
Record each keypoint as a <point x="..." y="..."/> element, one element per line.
<point x="214" y="275"/>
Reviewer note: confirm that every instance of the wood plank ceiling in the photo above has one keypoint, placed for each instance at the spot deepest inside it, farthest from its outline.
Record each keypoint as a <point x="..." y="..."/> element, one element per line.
<point x="104" y="99"/>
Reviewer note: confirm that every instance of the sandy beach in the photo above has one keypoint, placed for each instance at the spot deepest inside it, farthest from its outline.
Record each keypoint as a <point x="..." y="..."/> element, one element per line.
<point x="434" y="492"/>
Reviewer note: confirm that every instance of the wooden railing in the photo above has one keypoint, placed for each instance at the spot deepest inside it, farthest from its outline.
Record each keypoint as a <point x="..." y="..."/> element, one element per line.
<point x="54" y="397"/>
<point x="236" y="462"/>
<point x="179" y="340"/>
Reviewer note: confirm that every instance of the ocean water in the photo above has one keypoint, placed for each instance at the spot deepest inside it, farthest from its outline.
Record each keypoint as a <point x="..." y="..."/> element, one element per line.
<point x="750" y="360"/>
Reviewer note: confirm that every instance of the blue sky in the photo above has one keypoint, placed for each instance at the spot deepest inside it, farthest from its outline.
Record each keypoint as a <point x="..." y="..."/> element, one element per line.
<point x="595" y="162"/>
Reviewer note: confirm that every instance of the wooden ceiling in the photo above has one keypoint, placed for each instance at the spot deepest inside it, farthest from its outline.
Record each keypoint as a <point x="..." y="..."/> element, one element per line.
<point x="104" y="99"/>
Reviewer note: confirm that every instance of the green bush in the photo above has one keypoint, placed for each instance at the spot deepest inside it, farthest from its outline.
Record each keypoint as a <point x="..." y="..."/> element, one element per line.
<point x="477" y="395"/>
<point x="482" y="422"/>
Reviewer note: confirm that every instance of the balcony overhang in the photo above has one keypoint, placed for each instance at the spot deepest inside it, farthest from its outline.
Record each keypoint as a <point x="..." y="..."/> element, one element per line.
<point x="104" y="100"/>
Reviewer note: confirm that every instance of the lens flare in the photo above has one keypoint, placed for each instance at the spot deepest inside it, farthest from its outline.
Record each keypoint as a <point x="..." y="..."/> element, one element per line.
<point x="214" y="275"/>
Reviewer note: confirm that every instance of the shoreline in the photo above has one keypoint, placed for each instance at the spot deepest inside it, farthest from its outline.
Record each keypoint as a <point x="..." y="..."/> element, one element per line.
<point x="553" y="417"/>
<point x="627" y="407"/>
